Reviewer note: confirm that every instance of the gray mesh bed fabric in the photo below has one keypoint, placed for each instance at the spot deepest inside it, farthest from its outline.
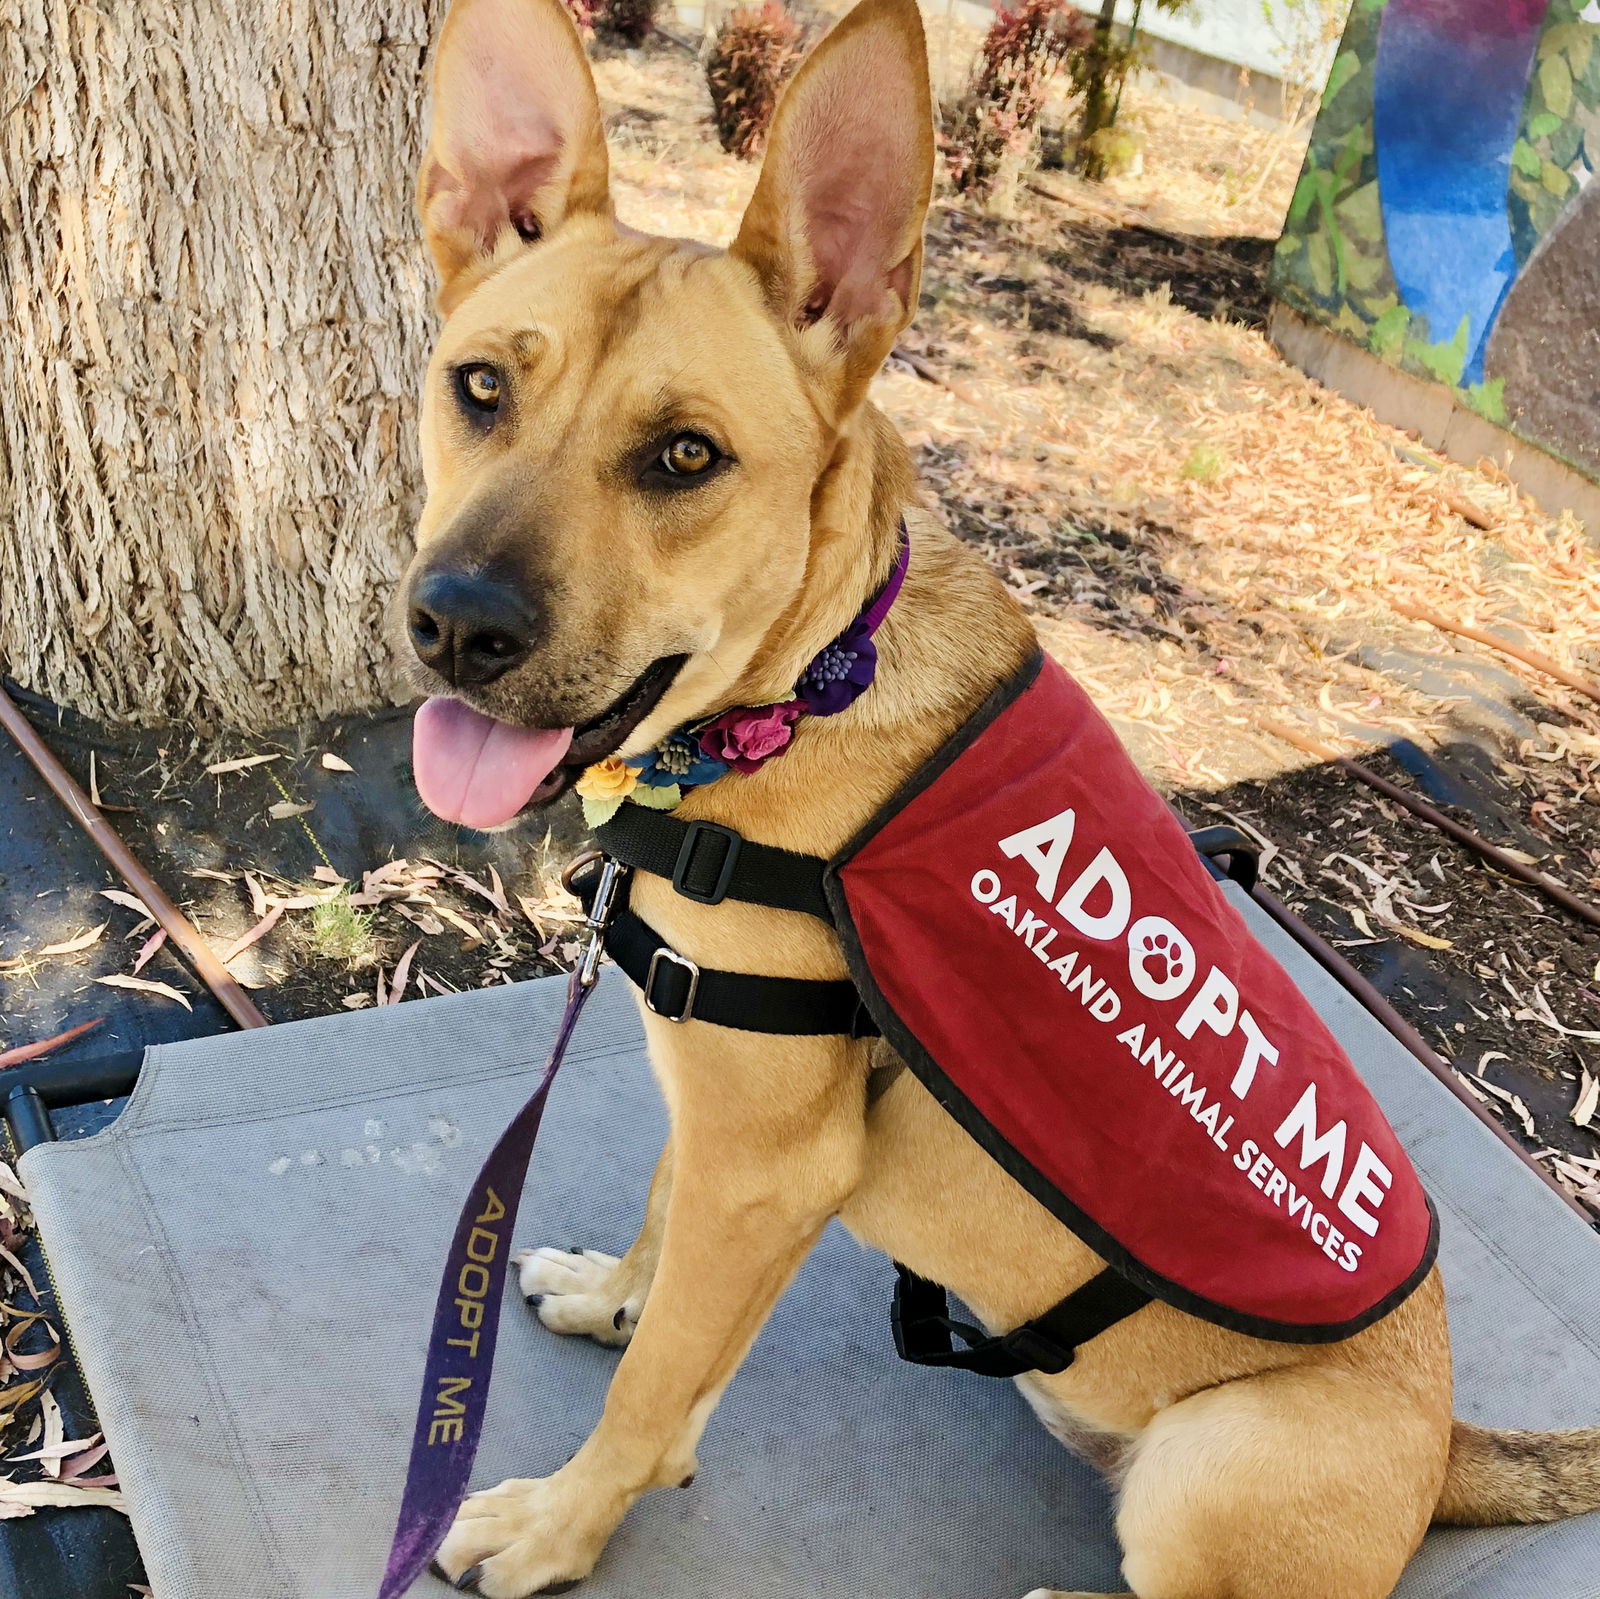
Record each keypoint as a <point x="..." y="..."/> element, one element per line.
<point x="247" y="1261"/>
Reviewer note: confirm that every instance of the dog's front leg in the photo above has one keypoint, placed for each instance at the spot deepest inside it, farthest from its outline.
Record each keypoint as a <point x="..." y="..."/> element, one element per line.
<point x="592" y="1294"/>
<point x="768" y="1137"/>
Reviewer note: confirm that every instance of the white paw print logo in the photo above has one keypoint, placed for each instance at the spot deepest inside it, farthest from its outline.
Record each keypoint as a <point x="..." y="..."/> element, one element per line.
<point x="1160" y="959"/>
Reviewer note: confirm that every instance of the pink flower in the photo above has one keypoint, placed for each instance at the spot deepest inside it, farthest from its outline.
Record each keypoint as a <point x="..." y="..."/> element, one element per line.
<point x="746" y="737"/>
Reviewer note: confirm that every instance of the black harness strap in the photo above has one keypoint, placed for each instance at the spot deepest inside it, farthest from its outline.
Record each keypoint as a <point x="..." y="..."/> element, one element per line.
<point x="923" y="1327"/>
<point x="676" y="988"/>
<point x="710" y="863"/>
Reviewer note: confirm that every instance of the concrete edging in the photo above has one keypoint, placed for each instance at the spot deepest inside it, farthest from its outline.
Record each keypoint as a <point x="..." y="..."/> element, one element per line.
<point x="1434" y="413"/>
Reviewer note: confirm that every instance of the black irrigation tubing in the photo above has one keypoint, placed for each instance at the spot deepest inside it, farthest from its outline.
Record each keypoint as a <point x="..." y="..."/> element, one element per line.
<point x="1546" y="885"/>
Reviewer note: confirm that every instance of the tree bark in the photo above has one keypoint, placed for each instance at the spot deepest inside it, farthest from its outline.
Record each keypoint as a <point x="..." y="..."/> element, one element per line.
<point x="1097" y="89"/>
<point x="214" y="315"/>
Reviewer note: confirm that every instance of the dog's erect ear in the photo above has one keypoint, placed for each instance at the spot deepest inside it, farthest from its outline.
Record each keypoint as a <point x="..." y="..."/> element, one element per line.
<point x="517" y="142"/>
<point x="834" y="228"/>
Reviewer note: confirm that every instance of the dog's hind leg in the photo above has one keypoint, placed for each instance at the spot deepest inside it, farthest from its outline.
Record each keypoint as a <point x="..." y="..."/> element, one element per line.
<point x="1314" y="1481"/>
<point x="594" y="1295"/>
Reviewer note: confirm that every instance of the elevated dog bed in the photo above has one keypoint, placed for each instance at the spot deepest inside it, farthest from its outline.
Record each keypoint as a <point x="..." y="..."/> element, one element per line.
<point x="248" y="1258"/>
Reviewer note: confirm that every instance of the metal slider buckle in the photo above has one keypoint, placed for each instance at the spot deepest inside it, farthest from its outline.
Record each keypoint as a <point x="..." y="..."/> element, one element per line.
<point x="665" y="954"/>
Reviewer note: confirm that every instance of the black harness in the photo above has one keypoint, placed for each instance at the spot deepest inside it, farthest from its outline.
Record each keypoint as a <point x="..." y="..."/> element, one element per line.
<point x="708" y="863"/>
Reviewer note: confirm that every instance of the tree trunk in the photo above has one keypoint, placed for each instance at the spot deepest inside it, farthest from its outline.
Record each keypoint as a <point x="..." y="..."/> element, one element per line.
<point x="1097" y="91"/>
<point x="214" y="314"/>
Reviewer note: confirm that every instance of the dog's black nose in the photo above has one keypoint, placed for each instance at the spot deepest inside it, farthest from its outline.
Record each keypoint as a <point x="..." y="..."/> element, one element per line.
<point x="469" y="628"/>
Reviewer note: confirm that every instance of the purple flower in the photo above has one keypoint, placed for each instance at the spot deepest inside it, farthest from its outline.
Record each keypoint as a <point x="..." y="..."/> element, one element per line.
<point x="745" y="737"/>
<point x="840" y="673"/>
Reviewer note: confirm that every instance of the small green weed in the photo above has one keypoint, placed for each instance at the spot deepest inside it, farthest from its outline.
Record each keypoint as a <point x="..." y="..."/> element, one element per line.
<point x="1205" y="463"/>
<point x="337" y="931"/>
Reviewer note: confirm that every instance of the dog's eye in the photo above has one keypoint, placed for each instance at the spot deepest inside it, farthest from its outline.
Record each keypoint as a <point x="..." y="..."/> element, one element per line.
<point x="689" y="455"/>
<point x="480" y="387"/>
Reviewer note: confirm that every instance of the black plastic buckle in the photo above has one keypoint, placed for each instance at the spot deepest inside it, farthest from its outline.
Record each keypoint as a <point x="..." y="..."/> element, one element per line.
<point x="1035" y="1351"/>
<point x="731" y="842"/>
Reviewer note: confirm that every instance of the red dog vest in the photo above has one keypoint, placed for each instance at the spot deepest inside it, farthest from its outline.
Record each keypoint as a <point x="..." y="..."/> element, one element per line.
<point x="1030" y="928"/>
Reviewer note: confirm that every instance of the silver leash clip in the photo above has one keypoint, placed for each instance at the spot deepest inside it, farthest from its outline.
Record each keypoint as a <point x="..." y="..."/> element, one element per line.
<point x="601" y="908"/>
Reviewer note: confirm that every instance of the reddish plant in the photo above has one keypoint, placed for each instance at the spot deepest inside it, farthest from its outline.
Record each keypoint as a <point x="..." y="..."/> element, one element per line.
<point x="1026" y="46"/>
<point x="751" y="58"/>
<point x="583" y="14"/>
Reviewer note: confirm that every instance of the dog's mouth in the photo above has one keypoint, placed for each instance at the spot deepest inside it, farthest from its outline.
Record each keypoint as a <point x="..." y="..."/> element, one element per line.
<point x="480" y="772"/>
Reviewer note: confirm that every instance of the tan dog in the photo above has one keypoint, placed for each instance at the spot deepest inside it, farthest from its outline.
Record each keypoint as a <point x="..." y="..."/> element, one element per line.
<point x="656" y="489"/>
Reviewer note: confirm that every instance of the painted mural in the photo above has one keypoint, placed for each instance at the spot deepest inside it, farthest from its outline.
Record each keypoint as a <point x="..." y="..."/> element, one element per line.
<point x="1446" y="217"/>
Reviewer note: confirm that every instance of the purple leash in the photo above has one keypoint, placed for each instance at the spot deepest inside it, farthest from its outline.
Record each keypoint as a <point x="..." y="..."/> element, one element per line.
<point x="466" y="1318"/>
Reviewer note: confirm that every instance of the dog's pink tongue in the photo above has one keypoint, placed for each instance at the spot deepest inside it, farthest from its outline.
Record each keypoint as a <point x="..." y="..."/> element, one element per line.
<point x="477" y="771"/>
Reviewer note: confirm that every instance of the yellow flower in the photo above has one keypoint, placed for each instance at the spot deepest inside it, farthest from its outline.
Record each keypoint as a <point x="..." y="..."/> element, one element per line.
<point x="609" y="779"/>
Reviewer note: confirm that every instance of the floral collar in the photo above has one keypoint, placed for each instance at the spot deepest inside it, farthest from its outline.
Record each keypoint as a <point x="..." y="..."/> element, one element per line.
<point x="747" y="737"/>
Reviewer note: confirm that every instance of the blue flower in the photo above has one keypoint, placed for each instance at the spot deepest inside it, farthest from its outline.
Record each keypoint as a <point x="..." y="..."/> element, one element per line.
<point x="676" y="761"/>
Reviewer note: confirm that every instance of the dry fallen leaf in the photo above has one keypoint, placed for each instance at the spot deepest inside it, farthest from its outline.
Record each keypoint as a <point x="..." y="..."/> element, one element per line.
<point x="305" y="902"/>
<point x="241" y="764"/>
<point x="73" y="946"/>
<point x="148" y="949"/>
<point x="333" y="763"/>
<point x="75" y="1469"/>
<point x="145" y="986"/>
<point x="326" y="874"/>
<point x="128" y="901"/>
<point x="36" y="1361"/>
<point x="429" y="923"/>
<point x="57" y="1452"/>
<point x="12" y="1399"/>
<point x="1588" y="1101"/>
<point x="461" y="924"/>
<point x="356" y="1001"/>
<point x="287" y="808"/>
<point x="402" y="973"/>
<point x="245" y="940"/>
<point x="258" y="895"/>
<point x="23" y="1498"/>
<point x="55" y="1428"/>
<point x="22" y="1052"/>
<point x="496" y="895"/>
<point x="1426" y="940"/>
<point x="1520" y="856"/>
<point x="27" y="1277"/>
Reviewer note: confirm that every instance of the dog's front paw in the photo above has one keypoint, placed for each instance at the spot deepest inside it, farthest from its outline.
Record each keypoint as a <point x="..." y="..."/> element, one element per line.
<point x="525" y="1537"/>
<point x="572" y="1292"/>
